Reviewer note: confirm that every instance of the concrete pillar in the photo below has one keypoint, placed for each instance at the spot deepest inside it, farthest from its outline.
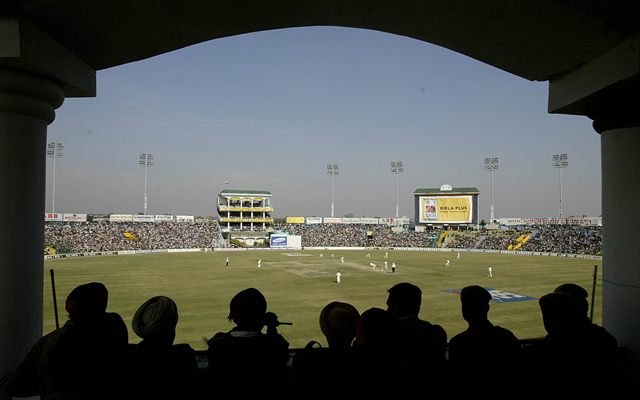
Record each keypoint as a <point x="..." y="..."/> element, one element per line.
<point x="36" y="74"/>
<point x="606" y="90"/>
<point x="27" y="106"/>
<point x="621" y="236"/>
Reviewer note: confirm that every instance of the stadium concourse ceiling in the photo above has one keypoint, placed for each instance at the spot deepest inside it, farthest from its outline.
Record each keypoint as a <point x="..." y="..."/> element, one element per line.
<point x="534" y="39"/>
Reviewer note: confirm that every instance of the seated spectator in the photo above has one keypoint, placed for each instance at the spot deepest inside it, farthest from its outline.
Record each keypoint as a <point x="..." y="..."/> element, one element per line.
<point x="376" y="353"/>
<point x="572" y="350"/>
<point x="80" y="360"/>
<point x="607" y="342"/>
<point x="482" y="343"/>
<point x="579" y="294"/>
<point x="159" y="369"/>
<point x="244" y="357"/>
<point x="423" y="345"/>
<point x="338" y="324"/>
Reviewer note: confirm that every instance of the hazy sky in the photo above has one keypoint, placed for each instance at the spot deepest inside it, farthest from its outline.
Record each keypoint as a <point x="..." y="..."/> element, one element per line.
<point x="269" y="111"/>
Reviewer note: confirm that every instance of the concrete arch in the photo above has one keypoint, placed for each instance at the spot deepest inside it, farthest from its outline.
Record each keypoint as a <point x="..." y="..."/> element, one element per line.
<point x="589" y="51"/>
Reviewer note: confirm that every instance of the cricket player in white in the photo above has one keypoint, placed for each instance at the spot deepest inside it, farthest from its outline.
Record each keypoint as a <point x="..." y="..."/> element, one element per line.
<point x="260" y="263"/>
<point x="338" y="275"/>
<point x="490" y="273"/>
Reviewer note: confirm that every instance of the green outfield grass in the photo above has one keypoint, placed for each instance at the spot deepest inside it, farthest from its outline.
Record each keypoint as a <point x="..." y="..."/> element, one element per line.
<point x="297" y="284"/>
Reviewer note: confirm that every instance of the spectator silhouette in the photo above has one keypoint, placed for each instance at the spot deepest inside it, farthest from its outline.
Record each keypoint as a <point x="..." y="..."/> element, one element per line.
<point x="579" y="294"/>
<point x="572" y="349"/>
<point x="376" y="352"/>
<point x="471" y="350"/>
<point x="422" y="345"/>
<point x="244" y="356"/>
<point x="338" y="324"/>
<point x="79" y="360"/>
<point x="158" y="368"/>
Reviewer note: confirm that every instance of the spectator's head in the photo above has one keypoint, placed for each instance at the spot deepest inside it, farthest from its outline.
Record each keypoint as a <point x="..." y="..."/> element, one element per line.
<point x="375" y="328"/>
<point x="578" y="293"/>
<point x="338" y="323"/>
<point x="88" y="301"/>
<point x="156" y="320"/>
<point x="247" y="309"/>
<point x="404" y="300"/>
<point x="475" y="303"/>
<point x="560" y="312"/>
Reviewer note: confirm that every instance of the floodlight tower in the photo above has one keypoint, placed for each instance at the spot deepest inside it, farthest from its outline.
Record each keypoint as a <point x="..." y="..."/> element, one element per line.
<point x="397" y="169"/>
<point x="560" y="161"/>
<point x="491" y="164"/>
<point x="54" y="150"/>
<point x="146" y="160"/>
<point x="332" y="169"/>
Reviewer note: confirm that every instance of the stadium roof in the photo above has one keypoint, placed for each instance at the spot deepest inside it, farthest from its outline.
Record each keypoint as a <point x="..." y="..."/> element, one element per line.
<point x="431" y="191"/>
<point x="239" y="192"/>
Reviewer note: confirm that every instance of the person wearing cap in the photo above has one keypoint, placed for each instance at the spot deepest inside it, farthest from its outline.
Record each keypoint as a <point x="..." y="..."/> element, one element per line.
<point x="158" y="368"/>
<point x="597" y="333"/>
<point x="573" y="348"/>
<point x="482" y="341"/>
<point x="245" y="356"/>
<point x="79" y="359"/>
<point x="338" y="324"/>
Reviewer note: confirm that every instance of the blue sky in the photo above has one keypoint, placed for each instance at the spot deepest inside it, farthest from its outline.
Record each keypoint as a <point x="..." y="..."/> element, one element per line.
<point x="269" y="111"/>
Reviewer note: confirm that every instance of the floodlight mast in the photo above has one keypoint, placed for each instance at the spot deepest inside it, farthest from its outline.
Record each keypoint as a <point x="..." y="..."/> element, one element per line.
<point x="560" y="161"/>
<point x="397" y="168"/>
<point x="333" y="170"/>
<point x="55" y="150"/>
<point x="491" y="164"/>
<point x="146" y="160"/>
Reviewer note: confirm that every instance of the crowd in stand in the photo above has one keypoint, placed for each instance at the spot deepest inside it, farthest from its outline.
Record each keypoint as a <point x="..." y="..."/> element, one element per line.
<point x="548" y="238"/>
<point x="356" y="235"/>
<point x="373" y="353"/>
<point x="566" y="239"/>
<point x="77" y="237"/>
<point x="74" y="237"/>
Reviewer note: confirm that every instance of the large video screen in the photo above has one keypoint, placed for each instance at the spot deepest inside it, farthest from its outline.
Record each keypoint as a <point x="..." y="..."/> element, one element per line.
<point x="445" y="209"/>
